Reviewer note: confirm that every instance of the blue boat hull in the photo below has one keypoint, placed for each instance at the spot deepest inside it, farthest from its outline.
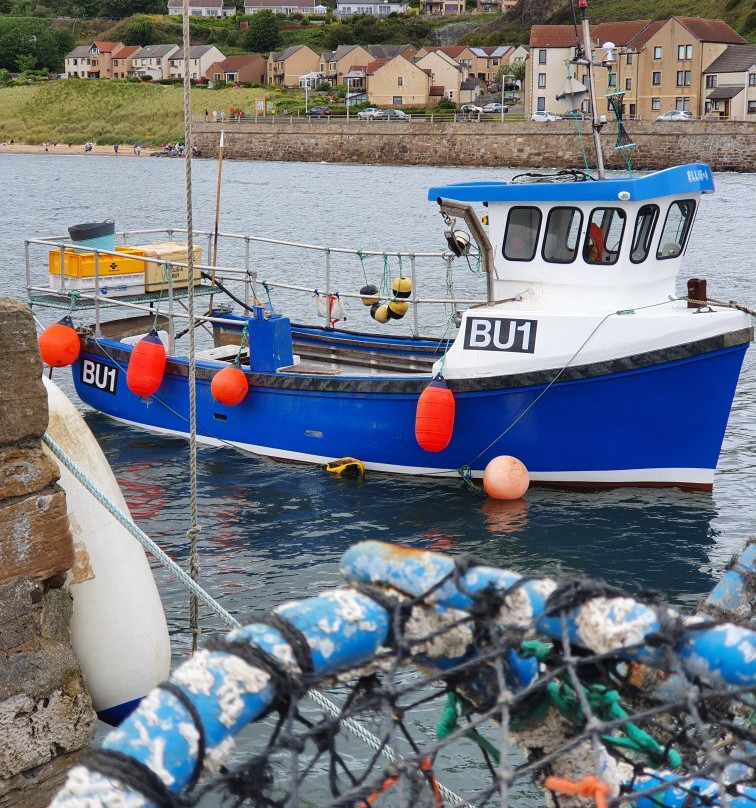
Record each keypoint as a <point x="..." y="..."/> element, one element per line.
<point x="654" y="424"/>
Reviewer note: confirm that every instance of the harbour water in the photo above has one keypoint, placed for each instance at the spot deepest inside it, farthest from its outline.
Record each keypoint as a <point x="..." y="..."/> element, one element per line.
<point x="272" y="532"/>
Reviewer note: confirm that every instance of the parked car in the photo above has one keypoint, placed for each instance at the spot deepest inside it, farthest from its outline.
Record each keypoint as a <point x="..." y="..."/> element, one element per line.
<point x="470" y="109"/>
<point x="675" y="115"/>
<point x="395" y="115"/>
<point x="545" y="116"/>
<point x="494" y="107"/>
<point x="370" y="113"/>
<point x="318" y="112"/>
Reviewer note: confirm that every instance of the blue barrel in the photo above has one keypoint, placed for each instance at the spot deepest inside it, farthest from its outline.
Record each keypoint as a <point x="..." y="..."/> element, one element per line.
<point x="94" y="235"/>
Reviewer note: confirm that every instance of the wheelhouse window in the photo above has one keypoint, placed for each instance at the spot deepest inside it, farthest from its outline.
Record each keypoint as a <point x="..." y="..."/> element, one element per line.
<point x="562" y="235"/>
<point x="676" y="229"/>
<point x="645" y="222"/>
<point x="521" y="236"/>
<point x="604" y="236"/>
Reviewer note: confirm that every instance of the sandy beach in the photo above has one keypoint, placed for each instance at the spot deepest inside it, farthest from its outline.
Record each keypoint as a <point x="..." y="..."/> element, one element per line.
<point x="124" y="150"/>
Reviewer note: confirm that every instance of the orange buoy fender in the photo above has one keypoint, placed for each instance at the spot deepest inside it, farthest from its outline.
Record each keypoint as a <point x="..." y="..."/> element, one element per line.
<point x="505" y="477"/>
<point x="434" y="417"/>
<point x="229" y="386"/>
<point x="146" y="369"/>
<point x="59" y="344"/>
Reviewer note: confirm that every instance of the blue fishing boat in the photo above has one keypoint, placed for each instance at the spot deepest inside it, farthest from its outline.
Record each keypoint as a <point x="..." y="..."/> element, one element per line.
<point x="582" y="361"/>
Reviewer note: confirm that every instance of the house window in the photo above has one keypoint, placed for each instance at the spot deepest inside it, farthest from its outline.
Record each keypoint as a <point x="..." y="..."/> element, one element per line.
<point x="656" y="78"/>
<point x="632" y="111"/>
<point x="628" y="84"/>
<point x="644" y="231"/>
<point x="541" y="80"/>
<point x="495" y="62"/>
<point x="676" y="229"/>
<point x="400" y="81"/>
<point x="397" y="101"/>
<point x="684" y="52"/>
<point x="752" y="79"/>
<point x="541" y="103"/>
<point x="629" y="59"/>
<point x="604" y="236"/>
<point x="562" y="235"/>
<point x="542" y="56"/>
<point x="682" y="104"/>
<point x="683" y="78"/>
<point x="612" y="79"/>
<point x="658" y="52"/>
<point x="711" y="81"/>
<point x="752" y="107"/>
<point x="521" y="236"/>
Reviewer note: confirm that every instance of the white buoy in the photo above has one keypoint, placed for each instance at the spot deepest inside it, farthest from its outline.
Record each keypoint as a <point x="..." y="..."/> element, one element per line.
<point x="118" y="628"/>
<point x="505" y="477"/>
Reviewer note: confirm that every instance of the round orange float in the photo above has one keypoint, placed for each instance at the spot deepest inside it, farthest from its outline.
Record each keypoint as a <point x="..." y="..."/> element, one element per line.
<point x="59" y="344"/>
<point x="229" y="386"/>
<point x="505" y="477"/>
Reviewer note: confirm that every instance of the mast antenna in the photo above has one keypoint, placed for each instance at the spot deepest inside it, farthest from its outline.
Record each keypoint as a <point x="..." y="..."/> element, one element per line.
<point x="588" y="56"/>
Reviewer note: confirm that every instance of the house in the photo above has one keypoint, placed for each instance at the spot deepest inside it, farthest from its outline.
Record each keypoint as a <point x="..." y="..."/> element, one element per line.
<point x="285" y="6"/>
<point x="123" y="61"/>
<point x="285" y="68"/>
<point x="488" y="6"/>
<point x="397" y="82"/>
<point x="730" y="84"/>
<point x="445" y="8"/>
<point x="461" y="54"/>
<point x="200" y="59"/>
<point x="77" y="63"/>
<point x="334" y="65"/>
<point x="487" y="61"/>
<point x="355" y="81"/>
<point x="469" y="91"/>
<point x="310" y="80"/>
<point x="151" y="61"/>
<point x="670" y="67"/>
<point x="347" y="8"/>
<point x="552" y="47"/>
<point x="444" y="73"/>
<point x="247" y="68"/>
<point x="203" y="8"/>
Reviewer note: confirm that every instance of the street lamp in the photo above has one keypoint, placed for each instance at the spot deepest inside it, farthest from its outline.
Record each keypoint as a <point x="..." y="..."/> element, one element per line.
<point x="346" y="97"/>
<point x="503" y="82"/>
<point x="307" y="84"/>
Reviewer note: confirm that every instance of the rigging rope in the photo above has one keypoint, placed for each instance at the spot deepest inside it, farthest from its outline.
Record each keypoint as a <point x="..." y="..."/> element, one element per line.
<point x="194" y="529"/>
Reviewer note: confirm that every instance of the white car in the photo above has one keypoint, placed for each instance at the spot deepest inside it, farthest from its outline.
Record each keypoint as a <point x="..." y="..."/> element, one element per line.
<point x="470" y="109"/>
<point x="675" y="115"/>
<point x="545" y="116"/>
<point x="371" y="113"/>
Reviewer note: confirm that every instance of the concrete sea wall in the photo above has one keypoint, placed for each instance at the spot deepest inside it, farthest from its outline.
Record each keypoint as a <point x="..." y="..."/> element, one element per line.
<point x="725" y="145"/>
<point x="46" y="713"/>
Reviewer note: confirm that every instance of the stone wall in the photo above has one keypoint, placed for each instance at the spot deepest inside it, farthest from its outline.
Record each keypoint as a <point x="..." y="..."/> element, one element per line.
<point x="725" y="145"/>
<point x="46" y="714"/>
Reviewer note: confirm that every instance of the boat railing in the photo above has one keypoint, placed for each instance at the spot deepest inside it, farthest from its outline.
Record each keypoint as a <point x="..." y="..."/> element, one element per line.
<point x="216" y="277"/>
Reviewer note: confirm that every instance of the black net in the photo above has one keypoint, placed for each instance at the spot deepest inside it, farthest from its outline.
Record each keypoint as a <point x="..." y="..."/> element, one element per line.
<point x="475" y="707"/>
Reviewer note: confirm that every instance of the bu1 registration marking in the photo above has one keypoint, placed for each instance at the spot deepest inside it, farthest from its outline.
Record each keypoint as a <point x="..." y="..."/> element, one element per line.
<point x="500" y="334"/>
<point x="100" y="376"/>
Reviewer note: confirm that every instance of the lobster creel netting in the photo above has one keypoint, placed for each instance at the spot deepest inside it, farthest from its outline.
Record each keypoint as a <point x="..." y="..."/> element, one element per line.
<point x="514" y="690"/>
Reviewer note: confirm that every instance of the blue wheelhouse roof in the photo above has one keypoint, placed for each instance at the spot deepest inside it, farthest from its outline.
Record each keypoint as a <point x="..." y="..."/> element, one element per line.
<point x="685" y="179"/>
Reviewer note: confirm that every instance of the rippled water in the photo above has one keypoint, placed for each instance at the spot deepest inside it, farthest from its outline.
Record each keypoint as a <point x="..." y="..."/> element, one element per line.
<point x="272" y="532"/>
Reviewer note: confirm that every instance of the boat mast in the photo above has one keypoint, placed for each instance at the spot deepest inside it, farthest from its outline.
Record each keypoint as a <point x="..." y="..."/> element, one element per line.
<point x="595" y="126"/>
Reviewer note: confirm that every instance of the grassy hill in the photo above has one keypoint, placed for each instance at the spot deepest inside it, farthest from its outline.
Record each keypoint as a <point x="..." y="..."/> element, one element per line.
<point x="76" y="110"/>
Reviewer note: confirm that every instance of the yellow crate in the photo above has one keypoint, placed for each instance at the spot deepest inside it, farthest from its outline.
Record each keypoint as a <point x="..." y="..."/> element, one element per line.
<point x="169" y="251"/>
<point x="82" y="264"/>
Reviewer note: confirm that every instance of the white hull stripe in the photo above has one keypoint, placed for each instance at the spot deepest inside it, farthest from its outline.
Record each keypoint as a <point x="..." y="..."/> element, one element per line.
<point x="663" y="476"/>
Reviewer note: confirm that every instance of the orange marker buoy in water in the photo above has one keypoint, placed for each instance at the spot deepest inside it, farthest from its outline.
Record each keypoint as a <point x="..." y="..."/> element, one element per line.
<point x="229" y="386"/>
<point x="146" y="366"/>
<point x="505" y="477"/>
<point x="434" y="417"/>
<point x="59" y="344"/>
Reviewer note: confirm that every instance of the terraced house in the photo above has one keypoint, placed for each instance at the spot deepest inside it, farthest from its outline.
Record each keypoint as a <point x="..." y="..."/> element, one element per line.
<point x="203" y="8"/>
<point x="200" y="59"/>
<point x="730" y="84"/>
<point x="93" y="61"/>
<point x="152" y="61"/>
<point x="285" y="68"/>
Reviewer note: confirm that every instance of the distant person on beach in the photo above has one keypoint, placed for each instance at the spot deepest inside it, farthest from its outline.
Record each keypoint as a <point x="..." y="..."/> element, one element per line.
<point x="88" y="146"/>
<point x="137" y="150"/>
<point x="115" y="149"/>
<point x="215" y="115"/>
<point x="207" y="116"/>
<point x="223" y="115"/>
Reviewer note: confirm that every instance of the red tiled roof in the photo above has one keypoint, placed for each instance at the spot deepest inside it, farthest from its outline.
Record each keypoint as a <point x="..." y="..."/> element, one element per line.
<point x="107" y="47"/>
<point x="639" y="41"/>
<point x="233" y="63"/>
<point x="126" y="51"/>
<point x="454" y="50"/>
<point x="376" y="65"/>
<point x="563" y="36"/>
<point x="436" y="90"/>
<point x="711" y="30"/>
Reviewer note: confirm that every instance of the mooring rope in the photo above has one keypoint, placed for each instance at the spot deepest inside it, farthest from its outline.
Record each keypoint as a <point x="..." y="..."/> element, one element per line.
<point x="194" y="529"/>
<point x="207" y="600"/>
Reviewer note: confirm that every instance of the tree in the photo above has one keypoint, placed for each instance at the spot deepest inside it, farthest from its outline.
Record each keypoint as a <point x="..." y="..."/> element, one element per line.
<point x="25" y="62"/>
<point x="514" y="69"/>
<point x="262" y="36"/>
<point x="26" y="36"/>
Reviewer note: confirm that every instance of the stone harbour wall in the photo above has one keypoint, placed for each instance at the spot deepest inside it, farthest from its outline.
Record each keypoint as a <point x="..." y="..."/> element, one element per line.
<point x="724" y="145"/>
<point x="46" y="713"/>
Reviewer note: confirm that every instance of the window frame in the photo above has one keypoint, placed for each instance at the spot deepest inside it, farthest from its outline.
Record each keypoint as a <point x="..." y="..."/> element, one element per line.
<point x="654" y="75"/>
<point x="752" y="79"/>
<point x="583" y="252"/>
<point x="686" y="232"/>
<point x="660" y="49"/>
<point x="542" y="56"/>
<point x="751" y="108"/>
<point x="656" y="104"/>
<point x="576" y="252"/>
<point x="537" y="238"/>
<point x="541" y="81"/>
<point x="651" y="231"/>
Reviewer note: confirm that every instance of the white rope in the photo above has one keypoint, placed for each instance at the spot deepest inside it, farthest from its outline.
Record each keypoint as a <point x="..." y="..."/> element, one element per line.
<point x="207" y="600"/>
<point x="194" y="528"/>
